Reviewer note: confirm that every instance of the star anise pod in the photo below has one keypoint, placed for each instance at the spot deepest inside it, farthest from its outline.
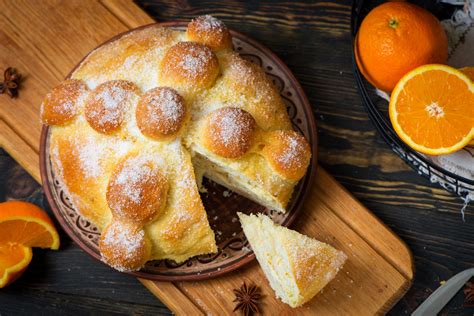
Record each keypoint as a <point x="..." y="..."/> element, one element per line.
<point x="469" y="294"/>
<point x="11" y="82"/>
<point x="247" y="298"/>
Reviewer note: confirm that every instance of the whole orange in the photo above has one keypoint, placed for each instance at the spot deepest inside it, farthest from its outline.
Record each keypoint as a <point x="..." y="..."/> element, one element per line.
<point x="395" y="38"/>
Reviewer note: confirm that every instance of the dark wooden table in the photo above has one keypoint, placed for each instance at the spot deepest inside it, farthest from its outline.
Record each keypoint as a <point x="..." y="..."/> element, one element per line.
<point x="313" y="39"/>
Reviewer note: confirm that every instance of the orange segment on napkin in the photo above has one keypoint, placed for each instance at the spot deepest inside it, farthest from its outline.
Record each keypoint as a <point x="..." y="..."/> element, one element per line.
<point x="22" y="226"/>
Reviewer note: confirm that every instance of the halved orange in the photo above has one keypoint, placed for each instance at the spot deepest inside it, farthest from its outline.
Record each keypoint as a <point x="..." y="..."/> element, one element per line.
<point x="432" y="109"/>
<point x="22" y="226"/>
<point x="26" y="224"/>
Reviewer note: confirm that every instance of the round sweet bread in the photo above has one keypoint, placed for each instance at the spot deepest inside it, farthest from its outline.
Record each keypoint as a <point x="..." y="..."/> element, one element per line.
<point x="145" y="116"/>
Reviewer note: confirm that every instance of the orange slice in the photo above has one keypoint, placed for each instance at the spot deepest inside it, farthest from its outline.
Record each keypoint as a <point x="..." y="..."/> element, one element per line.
<point x="22" y="226"/>
<point x="432" y="109"/>
<point x="14" y="259"/>
<point x="26" y="224"/>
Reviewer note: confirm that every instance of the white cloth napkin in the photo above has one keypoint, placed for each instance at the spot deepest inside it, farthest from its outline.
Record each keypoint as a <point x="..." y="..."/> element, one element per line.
<point x="460" y="30"/>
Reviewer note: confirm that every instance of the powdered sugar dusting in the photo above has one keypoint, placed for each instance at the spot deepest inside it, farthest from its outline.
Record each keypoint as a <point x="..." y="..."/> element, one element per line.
<point x="65" y="99"/>
<point x="186" y="183"/>
<point x="230" y="132"/>
<point x="209" y="23"/>
<point x="291" y="152"/>
<point x="112" y="102"/>
<point x="232" y="126"/>
<point x="90" y="158"/>
<point x="91" y="153"/>
<point x="316" y="260"/>
<point x="130" y="62"/>
<point x="133" y="174"/>
<point x="182" y="216"/>
<point x="106" y="105"/>
<point x="171" y="108"/>
<point x="124" y="243"/>
<point x="166" y="107"/>
<point x="195" y="61"/>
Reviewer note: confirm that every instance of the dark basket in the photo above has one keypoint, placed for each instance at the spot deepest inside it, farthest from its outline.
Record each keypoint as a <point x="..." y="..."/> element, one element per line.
<point x="377" y="109"/>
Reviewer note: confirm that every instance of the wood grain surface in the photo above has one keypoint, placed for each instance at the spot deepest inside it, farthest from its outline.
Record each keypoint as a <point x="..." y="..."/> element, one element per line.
<point x="373" y="279"/>
<point x="313" y="39"/>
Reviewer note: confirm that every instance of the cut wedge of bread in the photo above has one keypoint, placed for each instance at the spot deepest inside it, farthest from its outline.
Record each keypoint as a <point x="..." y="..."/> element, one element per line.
<point x="296" y="266"/>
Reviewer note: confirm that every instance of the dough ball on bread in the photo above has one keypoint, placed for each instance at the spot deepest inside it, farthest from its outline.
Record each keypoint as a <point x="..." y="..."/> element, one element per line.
<point x="137" y="191"/>
<point x="288" y="153"/>
<point x="228" y="132"/>
<point x="124" y="247"/>
<point x="189" y="64"/>
<point x="106" y="105"/>
<point x="63" y="103"/>
<point x="209" y="31"/>
<point x="245" y="82"/>
<point x="160" y="113"/>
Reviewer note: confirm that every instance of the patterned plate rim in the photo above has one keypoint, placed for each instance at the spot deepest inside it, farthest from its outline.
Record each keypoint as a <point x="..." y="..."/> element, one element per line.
<point x="306" y="182"/>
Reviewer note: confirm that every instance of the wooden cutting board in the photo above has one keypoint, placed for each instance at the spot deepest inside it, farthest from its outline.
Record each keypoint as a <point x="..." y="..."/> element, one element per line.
<point x="45" y="39"/>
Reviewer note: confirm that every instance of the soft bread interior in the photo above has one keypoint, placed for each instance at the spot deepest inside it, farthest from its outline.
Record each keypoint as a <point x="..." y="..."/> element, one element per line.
<point x="296" y="266"/>
<point x="270" y="256"/>
<point x="238" y="182"/>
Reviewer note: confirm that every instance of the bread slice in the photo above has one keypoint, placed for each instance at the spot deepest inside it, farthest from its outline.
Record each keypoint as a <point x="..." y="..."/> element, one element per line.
<point x="239" y="178"/>
<point x="296" y="266"/>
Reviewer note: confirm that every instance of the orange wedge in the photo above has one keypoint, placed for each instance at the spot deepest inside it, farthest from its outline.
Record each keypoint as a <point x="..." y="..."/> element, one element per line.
<point x="14" y="259"/>
<point x="22" y="226"/>
<point x="432" y="109"/>
<point x="26" y="224"/>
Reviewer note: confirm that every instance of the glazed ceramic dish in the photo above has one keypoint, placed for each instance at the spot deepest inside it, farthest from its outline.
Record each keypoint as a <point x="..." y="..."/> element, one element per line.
<point x="221" y="204"/>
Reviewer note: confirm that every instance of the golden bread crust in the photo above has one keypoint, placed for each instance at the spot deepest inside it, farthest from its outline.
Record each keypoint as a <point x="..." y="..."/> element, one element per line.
<point x="228" y="132"/>
<point x="160" y="113"/>
<point x="209" y="31"/>
<point x="62" y="104"/>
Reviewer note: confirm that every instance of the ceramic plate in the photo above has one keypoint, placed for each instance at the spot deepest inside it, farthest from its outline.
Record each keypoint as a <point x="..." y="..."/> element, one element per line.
<point x="220" y="203"/>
